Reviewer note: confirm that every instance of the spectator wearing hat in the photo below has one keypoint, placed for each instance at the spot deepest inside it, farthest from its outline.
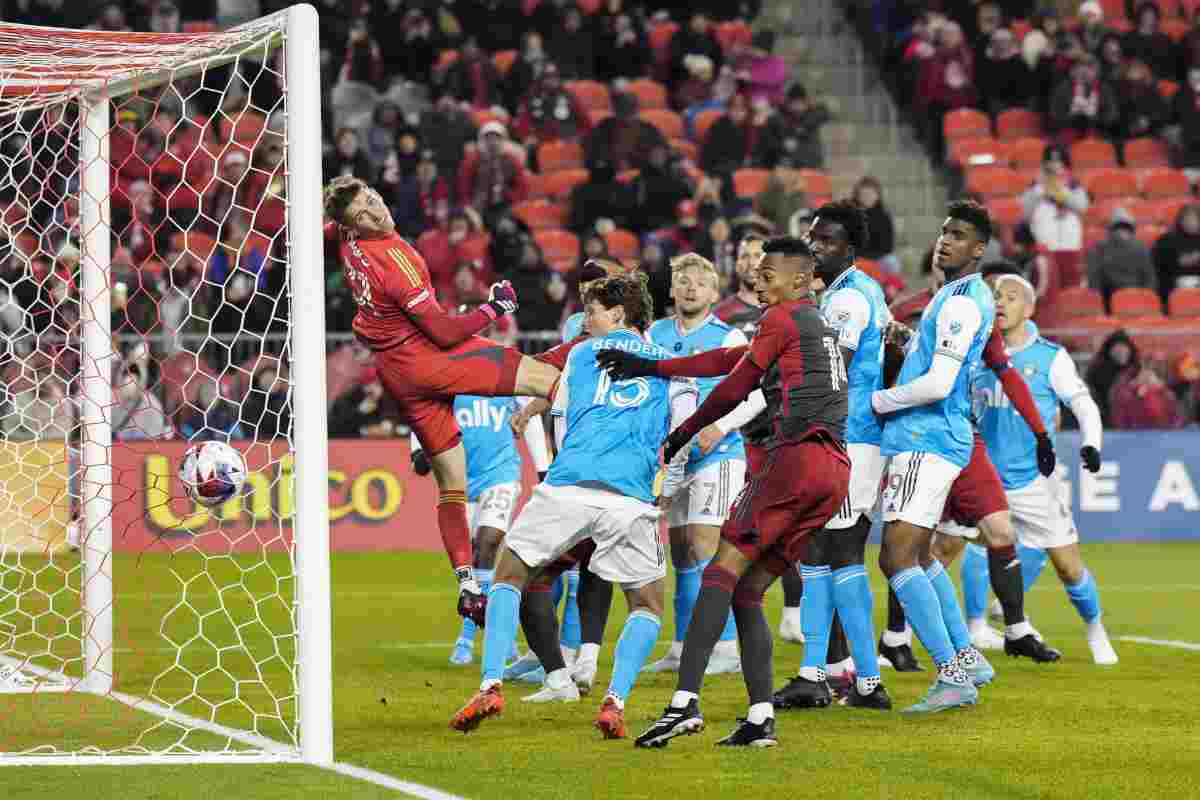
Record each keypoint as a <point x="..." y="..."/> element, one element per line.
<point x="1148" y="44"/>
<point x="232" y="194"/>
<point x="492" y="177"/>
<point x="1004" y="79"/>
<point x="1092" y="29"/>
<point x="623" y="140"/>
<point x="1083" y="104"/>
<point x="1176" y="254"/>
<point x="550" y="112"/>
<point x="1184" y="374"/>
<point x="1120" y="261"/>
<point x="763" y="74"/>
<point x="473" y="78"/>
<point x="695" y="38"/>
<point x="1054" y="206"/>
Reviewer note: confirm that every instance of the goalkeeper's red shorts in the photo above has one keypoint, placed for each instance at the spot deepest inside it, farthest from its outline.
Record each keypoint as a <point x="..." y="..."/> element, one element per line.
<point x="797" y="491"/>
<point x="424" y="382"/>
<point x="977" y="491"/>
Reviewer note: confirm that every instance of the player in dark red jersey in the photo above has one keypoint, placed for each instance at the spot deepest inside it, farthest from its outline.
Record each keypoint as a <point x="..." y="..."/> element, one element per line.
<point x="425" y="356"/>
<point x="805" y="479"/>
<point x="742" y="310"/>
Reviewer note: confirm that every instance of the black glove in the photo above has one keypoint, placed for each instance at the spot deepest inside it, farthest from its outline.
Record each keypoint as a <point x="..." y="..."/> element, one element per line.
<point x="542" y="477"/>
<point x="1045" y="452"/>
<point x="502" y="300"/>
<point x="421" y="463"/>
<point x="674" y="443"/>
<point x="1091" y="458"/>
<point x="622" y="366"/>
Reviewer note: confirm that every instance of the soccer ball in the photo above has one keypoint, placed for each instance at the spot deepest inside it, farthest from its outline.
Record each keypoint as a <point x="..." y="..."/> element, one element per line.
<point x="212" y="472"/>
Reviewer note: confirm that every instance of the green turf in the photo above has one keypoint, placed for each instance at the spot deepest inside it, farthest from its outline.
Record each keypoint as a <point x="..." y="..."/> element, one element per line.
<point x="1064" y="731"/>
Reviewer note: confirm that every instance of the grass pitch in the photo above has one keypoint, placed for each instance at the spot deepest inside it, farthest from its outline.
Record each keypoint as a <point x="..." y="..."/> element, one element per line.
<point x="1067" y="730"/>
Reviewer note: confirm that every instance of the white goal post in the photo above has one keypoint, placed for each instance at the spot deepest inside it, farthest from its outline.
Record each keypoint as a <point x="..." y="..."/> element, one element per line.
<point x="222" y="631"/>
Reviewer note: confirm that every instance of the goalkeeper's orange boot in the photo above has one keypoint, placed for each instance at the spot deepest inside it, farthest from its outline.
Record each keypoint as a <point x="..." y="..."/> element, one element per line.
<point x="486" y="703"/>
<point x="611" y="719"/>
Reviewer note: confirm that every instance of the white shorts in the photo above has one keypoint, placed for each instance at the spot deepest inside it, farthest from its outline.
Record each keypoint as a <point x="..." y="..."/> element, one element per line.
<point x="494" y="508"/>
<point x="866" y="473"/>
<point x="918" y="484"/>
<point x="706" y="496"/>
<point x="949" y="527"/>
<point x="625" y="530"/>
<point x="1040" y="517"/>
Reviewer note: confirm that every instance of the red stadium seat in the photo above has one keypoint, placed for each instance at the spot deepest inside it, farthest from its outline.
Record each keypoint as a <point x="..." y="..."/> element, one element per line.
<point x="649" y="93"/>
<point x="1078" y="301"/>
<point x="1093" y="153"/>
<point x="1160" y="212"/>
<point x="732" y="33"/>
<point x="977" y="152"/>
<point x="1164" y="182"/>
<point x="1175" y="28"/>
<point x="503" y="60"/>
<point x="622" y="244"/>
<point x="540" y="215"/>
<point x="1092" y="235"/>
<point x="561" y="248"/>
<point x="1167" y="88"/>
<point x="660" y="36"/>
<point x="994" y="181"/>
<point x="590" y="94"/>
<point x="539" y="185"/>
<point x="1109" y="182"/>
<point x="965" y="123"/>
<point x="750" y="183"/>
<point x="704" y="120"/>
<point x="1026" y="152"/>
<point x="556" y="155"/>
<point x="668" y="123"/>
<point x="1184" y="302"/>
<point x="1149" y="234"/>
<point x="560" y="183"/>
<point x="1101" y="211"/>
<point x="1017" y="123"/>
<point x="1135" y="303"/>
<point x="598" y="115"/>
<point x="199" y="26"/>
<point x="1006" y="211"/>
<point x="816" y="183"/>
<point x="1146" y="152"/>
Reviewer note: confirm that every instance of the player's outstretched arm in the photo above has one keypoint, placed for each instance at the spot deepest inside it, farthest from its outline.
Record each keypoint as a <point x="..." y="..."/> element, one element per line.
<point x="446" y="330"/>
<point x="725" y="397"/>
<point x="709" y="364"/>
<point x="1017" y="390"/>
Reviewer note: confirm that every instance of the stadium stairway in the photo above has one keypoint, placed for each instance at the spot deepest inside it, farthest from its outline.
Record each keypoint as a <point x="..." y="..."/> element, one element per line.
<point x="867" y="135"/>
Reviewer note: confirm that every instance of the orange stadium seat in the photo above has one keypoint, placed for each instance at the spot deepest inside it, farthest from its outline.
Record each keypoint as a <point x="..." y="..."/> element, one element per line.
<point x="561" y="248"/>
<point x="869" y="266"/>
<point x="1135" y="303"/>
<point x="974" y="152"/>
<point x="660" y="37"/>
<point x="994" y="181"/>
<point x="1146" y="152"/>
<point x="539" y="185"/>
<point x="1020" y="28"/>
<point x="1092" y="235"/>
<point x="649" y="93"/>
<point x="482" y="116"/>
<point x="1113" y="9"/>
<point x="560" y="183"/>
<point x="503" y="60"/>
<point x="1175" y="28"/>
<point x="1109" y="182"/>
<point x="1167" y="88"/>
<point x="445" y="58"/>
<point x="750" y="183"/>
<point x="966" y="123"/>
<point x="816" y="183"/>
<point x="199" y="26"/>
<point x="1164" y="182"/>
<point x="704" y="120"/>
<point x="1161" y="211"/>
<point x="732" y="33"/>
<point x="198" y="244"/>
<point x="1006" y="211"/>
<point x="598" y="115"/>
<point x="1149" y="234"/>
<point x="1093" y="153"/>
<point x="622" y="244"/>
<point x="556" y="155"/>
<point x="687" y="149"/>
<point x="1078" y="301"/>
<point x="1101" y="210"/>
<point x="1017" y="123"/>
<point x="668" y="123"/>
<point x="540" y="214"/>
<point x="1026" y="152"/>
<point x="590" y="94"/>
<point x="588" y="6"/>
<point x="1184" y="302"/>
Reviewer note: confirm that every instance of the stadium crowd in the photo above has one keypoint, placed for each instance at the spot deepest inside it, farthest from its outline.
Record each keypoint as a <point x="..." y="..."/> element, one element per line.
<point x="514" y="139"/>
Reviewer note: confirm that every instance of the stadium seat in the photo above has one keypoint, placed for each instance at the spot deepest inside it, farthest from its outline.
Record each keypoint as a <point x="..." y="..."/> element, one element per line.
<point x="660" y="37"/>
<point x="1184" y="302"/>
<point x="1135" y="303"/>
<point x="1146" y="152"/>
<point x="1113" y="9"/>
<point x="1017" y="123"/>
<point x="668" y="123"/>
<point x="1078" y="301"/>
<point x="1020" y="28"/>
<point x="649" y="93"/>
<point x="965" y="123"/>
<point x="503" y="60"/>
<point x="731" y="33"/>
<point x="444" y="59"/>
<point x="540" y="214"/>
<point x="590" y="94"/>
<point x="869" y="266"/>
<point x="1006" y="211"/>
<point x="560" y="183"/>
<point x="994" y="181"/>
<point x="1167" y="88"/>
<point x="482" y="116"/>
<point x="1175" y="28"/>
<point x="686" y="148"/>
<point x="557" y="154"/>
<point x="816" y="183"/>
<point x="628" y="175"/>
<point x="199" y="26"/>
<point x="1092" y="235"/>
<point x="1149" y="234"/>
<point x="1161" y="211"/>
<point x="1101" y="211"/>
<point x="560" y="248"/>
<point x="1026" y="152"/>
<point x="1092" y="153"/>
<point x="1164" y="182"/>
<point x="622" y="244"/>
<point x="750" y="183"/>
<point x="1109" y="182"/>
<point x="704" y="120"/>
<point x="475" y="247"/>
<point x="539" y="185"/>
<point x="198" y="244"/>
<point x="974" y="152"/>
<point x="588" y="7"/>
<point x="598" y="115"/>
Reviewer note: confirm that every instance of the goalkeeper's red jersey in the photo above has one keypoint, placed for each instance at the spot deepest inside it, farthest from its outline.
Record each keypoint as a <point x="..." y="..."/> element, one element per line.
<point x="390" y="284"/>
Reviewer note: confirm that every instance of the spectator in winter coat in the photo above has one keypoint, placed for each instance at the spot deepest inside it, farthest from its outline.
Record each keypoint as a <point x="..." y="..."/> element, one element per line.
<point x="419" y="201"/>
<point x="784" y="196"/>
<point x="447" y="129"/>
<point x="1083" y="104"/>
<point x="364" y="59"/>
<point x="1120" y="261"/>
<point x="1143" y="110"/>
<point x="602" y="197"/>
<point x="1185" y="109"/>
<point x="657" y="191"/>
<point x="414" y="58"/>
<point x="801" y="118"/>
<point x="945" y="81"/>
<point x="1176" y="254"/>
<point x="696" y="38"/>
<point x="1032" y="259"/>
<point x="347" y="156"/>
<point x="382" y="133"/>
<point x="1117" y="354"/>
<point x="1148" y="44"/>
<point x="743" y="137"/>
<point x="881" y="232"/>
<point x="492" y="178"/>
<point x="623" y="50"/>
<point x="473" y="78"/>
<point x="1054" y="206"/>
<point x="545" y="289"/>
<point x="573" y="47"/>
<point x="444" y="249"/>
<point x="550" y="112"/>
<point x="1092" y="29"/>
<point x="762" y="73"/>
<point x="1189" y="48"/>
<point x="1141" y="400"/>
<point x="1004" y="80"/>
<point x="1111" y="58"/>
<point x="525" y="70"/>
<point x="623" y="140"/>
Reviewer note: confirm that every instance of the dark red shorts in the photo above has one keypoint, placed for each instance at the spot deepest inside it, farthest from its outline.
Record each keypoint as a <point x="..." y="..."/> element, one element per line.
<point x="798" y="489"/>
<point x="755" y="458"/>
<point x="977" y="491"/>
<point x="425" y="381"/>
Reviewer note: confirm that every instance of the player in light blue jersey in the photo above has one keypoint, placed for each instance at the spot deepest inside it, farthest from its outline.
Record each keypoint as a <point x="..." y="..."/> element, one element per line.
<point x="716" y="464"/>
<point x="1040" y="515"/>
<point x="600" y="489"/>
<point x="928" y="437"/>
<point x="834" y="573"/>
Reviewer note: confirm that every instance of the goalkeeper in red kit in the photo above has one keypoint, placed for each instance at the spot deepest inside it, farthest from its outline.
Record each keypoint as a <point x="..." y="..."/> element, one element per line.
<point x="425" y="356"/>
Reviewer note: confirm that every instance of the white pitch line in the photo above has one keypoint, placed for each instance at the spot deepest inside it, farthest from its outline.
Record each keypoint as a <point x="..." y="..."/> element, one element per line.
<point x="388" y="782"/>
<point x="1161" y="642"/>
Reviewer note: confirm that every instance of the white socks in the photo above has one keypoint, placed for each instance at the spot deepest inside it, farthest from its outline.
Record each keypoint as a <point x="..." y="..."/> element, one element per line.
<point x="840" y="668"/>
<point x="589" y="652"/>
<point x="728" y="648"/>
<point x="760" y="713"/>
<point x="558" y="679"/>
<point x="893" y="639"/>
<point x="812" y="673"/>
<point x="1095" y="630"/>
<point x="1018" y="631"/>
<point x="681" y="699"/>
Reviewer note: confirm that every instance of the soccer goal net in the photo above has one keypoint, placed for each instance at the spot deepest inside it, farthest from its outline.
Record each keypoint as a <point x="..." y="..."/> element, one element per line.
<point x="161" y="284"/>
